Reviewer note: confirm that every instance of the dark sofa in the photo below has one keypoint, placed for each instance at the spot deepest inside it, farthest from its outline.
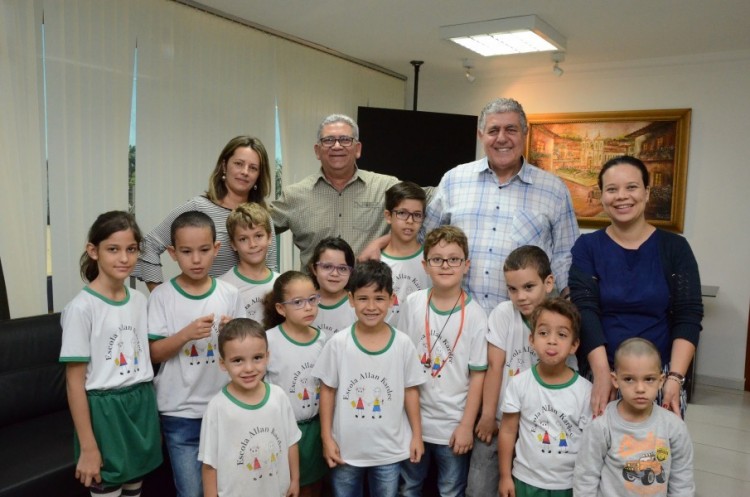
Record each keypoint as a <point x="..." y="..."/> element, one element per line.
<point x="36" y="430"/>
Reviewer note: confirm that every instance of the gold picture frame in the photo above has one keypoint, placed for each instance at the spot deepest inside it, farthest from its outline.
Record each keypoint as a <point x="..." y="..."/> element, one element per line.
<point x="574" y="146"/>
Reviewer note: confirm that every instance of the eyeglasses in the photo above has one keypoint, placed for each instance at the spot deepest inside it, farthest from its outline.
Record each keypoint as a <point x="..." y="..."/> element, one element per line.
<point x="299" y="303"/>
<point x="344" y="141"/>
<point x="405" y="215"/>
<point x="438" y="261"/>
<point x="330" y="267"/>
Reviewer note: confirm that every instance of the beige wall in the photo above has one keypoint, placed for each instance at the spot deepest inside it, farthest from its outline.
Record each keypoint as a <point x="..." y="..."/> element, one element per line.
<point x="716" y="87"/>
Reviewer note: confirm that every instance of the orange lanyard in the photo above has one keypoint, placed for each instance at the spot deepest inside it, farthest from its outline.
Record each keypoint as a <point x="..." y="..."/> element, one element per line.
<point x="427" y="338"/>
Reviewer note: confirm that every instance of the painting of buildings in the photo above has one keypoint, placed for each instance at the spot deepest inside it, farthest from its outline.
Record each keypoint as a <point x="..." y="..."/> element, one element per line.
<point x="576" y="149"/>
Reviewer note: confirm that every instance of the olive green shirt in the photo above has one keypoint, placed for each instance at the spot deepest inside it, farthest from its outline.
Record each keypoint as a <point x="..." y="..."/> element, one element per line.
<point x="313" y="209"/>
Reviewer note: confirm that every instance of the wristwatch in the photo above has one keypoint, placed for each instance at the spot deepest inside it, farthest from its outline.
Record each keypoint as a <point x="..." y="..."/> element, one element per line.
<point x="673" y="375"/>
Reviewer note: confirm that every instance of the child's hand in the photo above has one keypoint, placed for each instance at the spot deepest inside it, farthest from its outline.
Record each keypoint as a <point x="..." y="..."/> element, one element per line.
<point x="331" y="452"/>
<point x="293" y="489"/>
<point x="200" y="328"/>
<point x="416" y="449"/>
<point x="225" y="320"/>
<point x="88" y="469"/>
<point x="486" y="428"/>
<point x="462" y="440"/>
<point x="507" y="487"/>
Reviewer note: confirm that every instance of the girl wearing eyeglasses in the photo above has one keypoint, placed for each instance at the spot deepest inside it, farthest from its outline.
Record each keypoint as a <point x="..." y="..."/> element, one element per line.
<point x="293" y="347"/>
<point x="331" y="265"/>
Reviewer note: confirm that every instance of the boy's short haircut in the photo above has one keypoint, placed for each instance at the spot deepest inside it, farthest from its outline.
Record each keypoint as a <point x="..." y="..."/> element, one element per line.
<point x="192" y="219"/>
<point x="636" y="347"/>
<point x="447" y="234"/>
<point x="560" y="306"/>
<point x="528" y="256"/>
<point x="248" y="215"/>
<point x="371" y="272"/>
<point x="239" y="329"/>
<point x="405" y="190"/>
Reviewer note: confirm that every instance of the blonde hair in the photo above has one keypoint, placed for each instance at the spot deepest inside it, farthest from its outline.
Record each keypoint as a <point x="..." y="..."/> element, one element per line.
<point x="246" y="216"/>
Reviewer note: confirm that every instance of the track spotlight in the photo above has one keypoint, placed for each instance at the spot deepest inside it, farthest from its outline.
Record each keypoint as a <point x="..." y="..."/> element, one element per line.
<point x="468" y="66"/>
<point x="558" y="57"/>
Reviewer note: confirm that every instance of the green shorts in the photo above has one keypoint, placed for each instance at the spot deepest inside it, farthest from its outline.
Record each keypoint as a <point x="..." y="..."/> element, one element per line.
<point x="312" y="465"/>
<point x="126" y="427"/>
<point x="526" y="490"/>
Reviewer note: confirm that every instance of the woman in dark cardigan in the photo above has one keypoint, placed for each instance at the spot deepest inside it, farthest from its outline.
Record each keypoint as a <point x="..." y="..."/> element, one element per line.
<point x="631" y="279"/>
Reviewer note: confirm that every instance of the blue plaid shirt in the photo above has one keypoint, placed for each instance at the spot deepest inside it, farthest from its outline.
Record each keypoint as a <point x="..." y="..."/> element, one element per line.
<point x="533" y="208"/>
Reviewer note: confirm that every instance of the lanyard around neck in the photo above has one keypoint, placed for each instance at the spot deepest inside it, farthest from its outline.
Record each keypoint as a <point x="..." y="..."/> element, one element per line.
<point x="428" y="363"/>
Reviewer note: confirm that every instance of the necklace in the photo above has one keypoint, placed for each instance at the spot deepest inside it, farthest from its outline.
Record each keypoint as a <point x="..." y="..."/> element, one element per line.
<point x="427" y="361"/>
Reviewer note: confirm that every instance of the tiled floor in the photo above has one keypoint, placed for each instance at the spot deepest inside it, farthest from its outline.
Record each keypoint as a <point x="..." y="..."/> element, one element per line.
<point x="719" y="424"/>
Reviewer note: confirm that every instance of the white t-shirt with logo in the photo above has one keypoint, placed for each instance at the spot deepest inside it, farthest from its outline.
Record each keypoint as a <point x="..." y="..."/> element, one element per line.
<point x="186" y="382"/>
<point x="290" y="367"/>
<point x="552" y="419"/>
<point x="251" y="291"/>
<point x="110" y="336"/>
<point x="508" y="331"/>
<point x="409" y="276"/>
<point x="332" y="318"/>
<point x="448" y="362"/>
<point x="248" y="445"/>
<point x="369" y="420"/>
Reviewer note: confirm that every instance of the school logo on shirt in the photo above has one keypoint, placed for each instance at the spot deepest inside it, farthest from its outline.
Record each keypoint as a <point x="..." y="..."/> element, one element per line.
<point x="124" y="350"/>
<point x="552" y="429"/>
<point x="305" y="387"/>
<point x="260" y="451"/>
<point x="437" y="356"/>
<point x="517" y="361"/>
<point x="367" y="395"/>
<point x="203" y="351"/>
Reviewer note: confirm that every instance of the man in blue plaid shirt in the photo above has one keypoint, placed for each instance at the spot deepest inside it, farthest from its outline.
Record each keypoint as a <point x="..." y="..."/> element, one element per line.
<point x="502" y="202"/>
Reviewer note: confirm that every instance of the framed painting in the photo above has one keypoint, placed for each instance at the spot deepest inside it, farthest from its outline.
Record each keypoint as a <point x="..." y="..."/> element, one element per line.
<point x="574" y="146"/>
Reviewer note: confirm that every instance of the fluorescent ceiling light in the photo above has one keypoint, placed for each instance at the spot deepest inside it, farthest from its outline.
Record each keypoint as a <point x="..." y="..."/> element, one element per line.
<point x="512" y="35"/>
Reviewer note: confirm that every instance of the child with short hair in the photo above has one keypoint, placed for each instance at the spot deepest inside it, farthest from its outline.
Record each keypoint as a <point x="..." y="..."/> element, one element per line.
<point x="404" y="212"/>
<point x="108" y="369"/>
<point x="448" y="329"/>
<point x="249" y="230"/>
<point x="529" y="280"/>
<point x="295" y="346"/>
<point x="636" y="447"/>
<point x="331" y="265"/>
<point x="369" y="378"/>
<point x="248" y="441"/>
<point x="545" y="409"/>
<point x="184" y="316"/>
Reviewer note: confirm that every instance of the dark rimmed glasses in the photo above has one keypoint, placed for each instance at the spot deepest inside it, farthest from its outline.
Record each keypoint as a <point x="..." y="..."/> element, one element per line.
<point x="330" y="141"/>
<point x="439" y="261"/>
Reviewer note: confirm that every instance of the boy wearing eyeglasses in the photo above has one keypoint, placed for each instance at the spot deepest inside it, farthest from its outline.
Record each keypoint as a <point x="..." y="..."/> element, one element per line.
<point x="448" y="328"/>
<point x="249" y="230"/>
<point x="404" y="213"/>
<point x="369" y="398"/>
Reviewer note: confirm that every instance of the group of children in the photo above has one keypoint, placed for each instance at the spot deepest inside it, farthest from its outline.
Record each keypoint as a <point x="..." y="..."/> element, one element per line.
<point x="364" y="372"/>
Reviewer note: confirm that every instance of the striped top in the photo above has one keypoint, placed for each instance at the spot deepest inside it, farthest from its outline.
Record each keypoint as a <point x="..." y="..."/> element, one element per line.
<point x="155" y="243"/>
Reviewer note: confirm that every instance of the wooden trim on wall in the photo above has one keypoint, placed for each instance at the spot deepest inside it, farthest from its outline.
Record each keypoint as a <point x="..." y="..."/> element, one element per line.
<point x="747" y="355"/>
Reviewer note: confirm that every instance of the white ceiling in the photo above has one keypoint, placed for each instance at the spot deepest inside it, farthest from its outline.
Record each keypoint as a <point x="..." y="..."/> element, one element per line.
<point x="390" y="33"/>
